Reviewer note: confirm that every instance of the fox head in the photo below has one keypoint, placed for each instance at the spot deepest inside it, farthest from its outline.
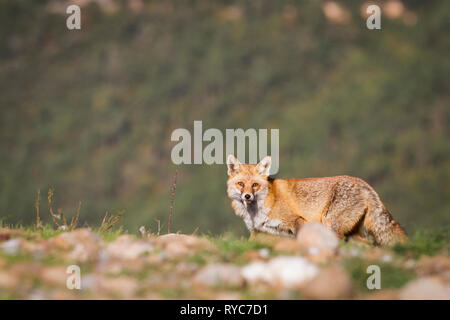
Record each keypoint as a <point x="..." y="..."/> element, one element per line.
<point x="247" y="182"/>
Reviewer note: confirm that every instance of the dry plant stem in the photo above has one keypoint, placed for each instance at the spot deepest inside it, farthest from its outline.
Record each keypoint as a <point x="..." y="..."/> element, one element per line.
<point x="172" y="195"/>
<point x="108" y="223"/>
<point x="63" y="219"/>
<point x="159" y="226"/>
<point x="50" y="205"/>
<point x="104" y="218"/>
<point x="37" y="205"/>
<point x="74" y="221"/>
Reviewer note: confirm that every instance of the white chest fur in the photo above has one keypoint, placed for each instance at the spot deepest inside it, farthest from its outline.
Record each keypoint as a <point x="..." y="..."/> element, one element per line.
<point x="256" y="219"/>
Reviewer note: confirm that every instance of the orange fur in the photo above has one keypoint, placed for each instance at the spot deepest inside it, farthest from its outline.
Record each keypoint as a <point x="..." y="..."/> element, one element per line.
<point x="346" y="205"/>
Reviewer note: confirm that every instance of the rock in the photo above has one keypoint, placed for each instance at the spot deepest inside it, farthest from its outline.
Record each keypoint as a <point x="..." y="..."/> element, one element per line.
<point x="256" y="271"/>
<point x="228" y="296"/>
<point x="317" y="241"/>
<point x="63" y="295"/>
<point x="8" y="281"/>
<point x="437" y="265"/>
<point x="264" y="253"/>
<point x="252" y="255"/>
<point x="89" y="282"/>
<point x="102" y="287"/>
<point x="223" y="275"/>
<point x="12" y="246"/>
<point x="330" y="284"/>
<point x="55" y="276"/>
<point x="410" y="264"/>
<point x="128" y="248"/>
<point x="188" y="240"/>
<point x="26" y="270"/>
<point x="257" y="255"/>
<point x="385" y="294"/>
<point x="156" y="258"/>
<point x="152" y="296"/>
<point x="180" y="245"/>
<point x="111" y="267"/>
<point x="16" y="245"/>
<point x="38" y="294"/>
<point x="186" y="268"/>
<point x="284" y="271"/>
<point x="142" y="231"/>
<point x="81" y="244"/>
<point x="287" y="245"/>
<point x="37" y="248"/>
<point x="429" y="288"/>
<point x="60" y="242"/>
<point x="178" y="249"/>
<point x="373" y="254"/>
<point x="124" y="287"/>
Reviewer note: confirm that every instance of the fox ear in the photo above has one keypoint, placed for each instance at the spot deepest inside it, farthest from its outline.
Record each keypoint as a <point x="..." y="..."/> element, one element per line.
<point x="233" y="164"/>
<point x="263" y="167"/>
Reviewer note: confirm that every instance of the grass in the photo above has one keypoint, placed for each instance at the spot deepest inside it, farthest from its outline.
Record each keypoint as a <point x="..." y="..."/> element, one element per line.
<point x="228" y="249"/>
<point x="229" y="244"/>
<point x="46" y="232"/>
<point x="392" y="276"/>
<point x="232" y="249"/>
<point x="48" y="260"/>
<point x="425" y="242"/>
<point x="110" y="235"/>
<point x="199" y="258"/>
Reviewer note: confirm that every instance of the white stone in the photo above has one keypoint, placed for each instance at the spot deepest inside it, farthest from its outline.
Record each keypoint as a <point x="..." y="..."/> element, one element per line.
<point x="11" y="246"/>
<point x="283" y="270"/>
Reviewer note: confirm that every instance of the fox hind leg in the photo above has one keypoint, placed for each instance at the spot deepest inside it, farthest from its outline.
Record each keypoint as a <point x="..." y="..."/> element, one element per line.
<point x="344" y="222"/>
<point x="355" y="208"/>
<point x="345" y="212"/>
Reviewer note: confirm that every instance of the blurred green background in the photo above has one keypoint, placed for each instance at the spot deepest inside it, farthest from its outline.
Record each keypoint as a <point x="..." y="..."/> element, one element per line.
<point x="90" y="112"/>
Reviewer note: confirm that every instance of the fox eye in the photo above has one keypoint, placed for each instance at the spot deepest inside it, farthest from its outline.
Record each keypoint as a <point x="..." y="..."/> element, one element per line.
<point x="241" y="184"/>
<point x="255" y="185"/>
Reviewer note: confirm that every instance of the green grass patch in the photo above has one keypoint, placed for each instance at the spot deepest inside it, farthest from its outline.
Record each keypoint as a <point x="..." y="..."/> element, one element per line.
<point x="48" y="260"/>
<point x="231" y="249"/>
<point x="46" y="232"/>
<point x="110" y="235"/>
<point x="139" y="274"/>
<point x="392" y="276"/>
<point x="236" y="246"/>
<point x="200" y="258"/>
<point x="425" y="242"/>
<point x="171" y="293"/>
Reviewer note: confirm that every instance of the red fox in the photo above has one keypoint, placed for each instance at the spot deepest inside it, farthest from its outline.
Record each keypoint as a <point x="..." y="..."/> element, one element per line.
<point x="347" y="205"/>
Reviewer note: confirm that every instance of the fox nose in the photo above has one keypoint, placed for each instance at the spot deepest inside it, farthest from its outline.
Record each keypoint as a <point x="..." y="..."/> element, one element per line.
<point x="247" y="196"/>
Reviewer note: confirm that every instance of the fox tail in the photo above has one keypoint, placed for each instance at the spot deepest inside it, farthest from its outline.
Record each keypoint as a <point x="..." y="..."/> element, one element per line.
<point x="379" y="223"/>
